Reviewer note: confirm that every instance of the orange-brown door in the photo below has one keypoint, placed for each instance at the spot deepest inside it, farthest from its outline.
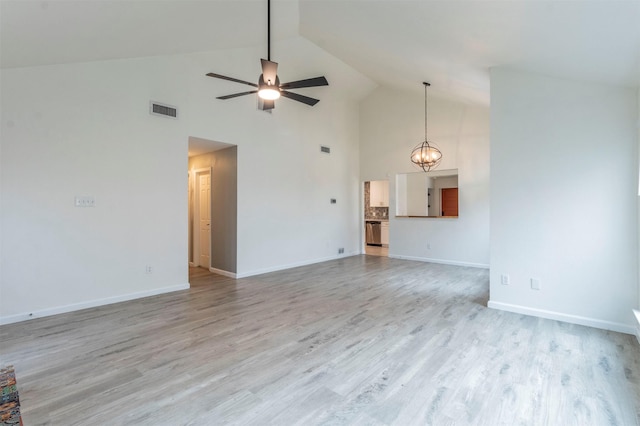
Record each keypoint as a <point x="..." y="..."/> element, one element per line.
<point x="449" y="197"/>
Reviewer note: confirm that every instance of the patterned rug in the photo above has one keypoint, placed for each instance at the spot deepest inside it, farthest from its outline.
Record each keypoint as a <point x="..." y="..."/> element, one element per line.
<point x="10" y="403"/>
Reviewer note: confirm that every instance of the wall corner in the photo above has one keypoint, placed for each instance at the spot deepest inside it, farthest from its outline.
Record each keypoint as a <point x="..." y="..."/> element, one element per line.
<point x="636" y="314"/>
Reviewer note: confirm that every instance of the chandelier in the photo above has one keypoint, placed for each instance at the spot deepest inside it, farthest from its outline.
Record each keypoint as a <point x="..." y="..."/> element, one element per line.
<point x="426" y="155"/>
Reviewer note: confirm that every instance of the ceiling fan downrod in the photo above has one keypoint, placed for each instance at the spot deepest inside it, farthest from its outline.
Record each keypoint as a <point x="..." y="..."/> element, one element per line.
<point x="268" y="30"/>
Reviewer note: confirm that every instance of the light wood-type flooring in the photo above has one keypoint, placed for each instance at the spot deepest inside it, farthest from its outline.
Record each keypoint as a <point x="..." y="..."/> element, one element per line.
<point x="363" y="340"/>
<point x="376" y="250"/>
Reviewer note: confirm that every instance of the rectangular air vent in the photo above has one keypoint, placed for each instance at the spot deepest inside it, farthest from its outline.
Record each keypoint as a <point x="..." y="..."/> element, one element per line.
<point x="156" y="108"/>
<point x="325" y="149"/>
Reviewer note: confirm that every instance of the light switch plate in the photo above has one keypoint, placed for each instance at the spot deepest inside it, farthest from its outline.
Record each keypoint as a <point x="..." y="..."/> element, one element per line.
<point x="85" y="201"/>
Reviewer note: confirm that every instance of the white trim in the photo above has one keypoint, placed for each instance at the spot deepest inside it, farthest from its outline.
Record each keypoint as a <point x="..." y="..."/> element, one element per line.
<point x="442" y="261"/>
<point x="223" y="272"/>
<point x="559" y="316"/>
<point x="90" y="304"/>
<point x="294" y="265"/>
<point x="636" y="313"/>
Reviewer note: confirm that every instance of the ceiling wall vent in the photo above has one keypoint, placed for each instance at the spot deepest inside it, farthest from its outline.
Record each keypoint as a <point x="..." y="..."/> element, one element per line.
<point x="156" y="108"/>
<point x="325" y="149"/>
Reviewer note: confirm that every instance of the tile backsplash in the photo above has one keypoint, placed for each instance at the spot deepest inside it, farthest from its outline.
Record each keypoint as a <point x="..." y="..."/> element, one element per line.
<point x="381" y="213"/>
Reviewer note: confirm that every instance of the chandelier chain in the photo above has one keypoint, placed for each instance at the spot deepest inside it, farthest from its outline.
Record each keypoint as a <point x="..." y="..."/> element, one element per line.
<point x="425" y="110"/>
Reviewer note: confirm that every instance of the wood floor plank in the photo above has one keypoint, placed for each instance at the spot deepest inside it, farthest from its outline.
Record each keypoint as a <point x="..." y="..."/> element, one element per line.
<point x="363" y="340"/>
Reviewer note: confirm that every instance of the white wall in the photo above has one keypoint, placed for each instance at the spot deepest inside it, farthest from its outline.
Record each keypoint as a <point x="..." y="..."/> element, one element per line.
<point x="84" y="129"/>
<point x="391" y="125"/>
<point x="637" y="312"/>
<point x="416" y="196"/>
<point x="565" y="144"/>
<point x="400" y="207"/>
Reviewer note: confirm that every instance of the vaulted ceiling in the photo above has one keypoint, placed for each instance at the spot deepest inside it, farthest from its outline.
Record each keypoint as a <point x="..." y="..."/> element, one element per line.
<point x="452" y="44"/>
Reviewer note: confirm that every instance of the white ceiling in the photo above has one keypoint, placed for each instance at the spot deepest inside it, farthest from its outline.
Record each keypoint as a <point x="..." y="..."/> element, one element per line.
<point x="451" y="44"/>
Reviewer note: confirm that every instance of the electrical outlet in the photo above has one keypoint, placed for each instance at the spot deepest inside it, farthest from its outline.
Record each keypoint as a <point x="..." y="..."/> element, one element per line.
<point x="535" y="283"/>
<point x="148" y="269"/>
<point x="504" y="279"/>
<point x="340" y="250"/>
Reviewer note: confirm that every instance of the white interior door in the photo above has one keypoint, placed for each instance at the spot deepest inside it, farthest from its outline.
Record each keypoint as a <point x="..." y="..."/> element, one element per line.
<point x="204" y="208"/>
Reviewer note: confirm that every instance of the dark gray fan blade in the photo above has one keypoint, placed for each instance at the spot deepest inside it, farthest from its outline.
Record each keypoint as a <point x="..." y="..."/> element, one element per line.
<point x="300" y="98"/>
<point x="224" y="77"/>
<point x="269" y="71"/>
<point x="309" y="82"/>
<point x="266" y="105"/>
<point x="235" y="95"/>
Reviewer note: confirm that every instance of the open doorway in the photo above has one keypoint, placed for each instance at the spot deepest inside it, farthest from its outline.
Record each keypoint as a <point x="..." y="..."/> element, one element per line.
<point x="376" y="217"/>
<point x="213" y="206"/>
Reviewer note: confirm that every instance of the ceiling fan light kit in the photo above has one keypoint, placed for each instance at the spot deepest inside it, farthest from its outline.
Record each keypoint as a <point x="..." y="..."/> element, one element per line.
<point x="269" y="93"/>
<point x="269" y="88"/>
<point x="426" y="155"/>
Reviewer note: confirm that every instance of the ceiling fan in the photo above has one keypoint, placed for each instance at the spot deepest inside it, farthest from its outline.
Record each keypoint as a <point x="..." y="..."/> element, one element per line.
<point x="269" y="88"/>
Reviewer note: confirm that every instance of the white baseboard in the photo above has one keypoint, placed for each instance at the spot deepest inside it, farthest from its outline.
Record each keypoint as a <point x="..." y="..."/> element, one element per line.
<point x="293" y="265"/>
<point x="223" y="272"/>
<point x="636" y="314"/>
<point x="9" y="319"/>
<point x="558" y="316"/>
<point x="442" y="261"/>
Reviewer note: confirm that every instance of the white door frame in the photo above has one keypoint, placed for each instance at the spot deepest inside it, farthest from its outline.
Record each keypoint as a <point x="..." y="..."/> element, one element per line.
<point x="196" y="215"/>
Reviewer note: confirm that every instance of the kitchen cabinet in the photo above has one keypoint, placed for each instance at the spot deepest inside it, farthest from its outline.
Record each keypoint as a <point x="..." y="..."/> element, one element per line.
<point x="384" y="233"/>
<point x="379" y="193"/>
